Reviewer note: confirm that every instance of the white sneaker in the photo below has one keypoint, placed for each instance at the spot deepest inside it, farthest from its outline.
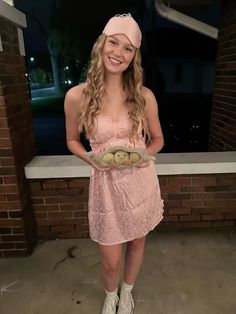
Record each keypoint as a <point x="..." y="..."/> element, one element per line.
<point x="110" y="304"/>
<point x="126" y="303"/>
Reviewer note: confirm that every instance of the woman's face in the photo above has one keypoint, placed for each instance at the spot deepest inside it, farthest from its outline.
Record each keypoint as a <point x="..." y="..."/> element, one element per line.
<point x="118" y="52"/>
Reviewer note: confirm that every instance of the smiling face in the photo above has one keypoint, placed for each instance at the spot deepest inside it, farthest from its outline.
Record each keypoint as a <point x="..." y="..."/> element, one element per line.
<point x="121" y="157"/>
<point x="118" y="53"/>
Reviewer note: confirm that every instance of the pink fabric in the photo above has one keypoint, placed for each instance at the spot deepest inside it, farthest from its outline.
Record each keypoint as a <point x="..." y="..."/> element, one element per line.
<point x="123" y="204"/>
<point x="124" y="24"/>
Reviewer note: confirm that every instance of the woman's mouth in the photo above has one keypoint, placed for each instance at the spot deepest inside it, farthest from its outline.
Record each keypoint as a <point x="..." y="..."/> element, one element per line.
<point x="115" y="61"/>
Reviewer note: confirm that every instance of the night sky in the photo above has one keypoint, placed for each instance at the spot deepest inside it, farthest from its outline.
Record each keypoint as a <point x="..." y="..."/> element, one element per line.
<point x="91" y="16"/>
<point x="161" y="39"/>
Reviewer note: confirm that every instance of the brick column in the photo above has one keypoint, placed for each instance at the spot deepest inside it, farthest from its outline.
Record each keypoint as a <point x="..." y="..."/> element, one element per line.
<point x="17" y="147"/>
<point x="223" y="119"/>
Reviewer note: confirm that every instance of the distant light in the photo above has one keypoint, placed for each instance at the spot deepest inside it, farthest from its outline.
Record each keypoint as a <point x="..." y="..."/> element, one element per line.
<point x="69" y="82"/>
<point x="67" y="68"/>
<point x="32" y="59"/>
<point x="26" y="74"/>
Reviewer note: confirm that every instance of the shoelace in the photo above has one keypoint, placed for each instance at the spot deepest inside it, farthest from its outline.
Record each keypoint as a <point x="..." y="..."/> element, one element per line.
<point x="110" y="304"/>
<point x="126" y="301"/>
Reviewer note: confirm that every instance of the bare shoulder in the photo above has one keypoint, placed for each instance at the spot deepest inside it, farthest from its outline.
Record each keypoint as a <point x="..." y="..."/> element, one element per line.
<point x="149" y="97"/>
<point x="75" y="94"/>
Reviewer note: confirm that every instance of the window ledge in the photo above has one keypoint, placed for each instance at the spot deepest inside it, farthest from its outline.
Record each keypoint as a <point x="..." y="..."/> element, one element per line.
<point x="69" y="166"/>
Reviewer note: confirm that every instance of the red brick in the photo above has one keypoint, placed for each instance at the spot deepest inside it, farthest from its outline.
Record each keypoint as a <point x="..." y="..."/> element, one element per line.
<point x="204" y="180"/>
<point x="163" y="180"/>
<point x="195" y="224"/>
<point x="14" y="238"/>
<point x="222" y="223"/>
<point x="59" y="215"/>
<point x="40" y="215"/>
<point x="79" y="183"/>
<point x="70" y="192"/>
<point x="78" y="207"/>
<point x="215" y="203"/>
<point x="231" y="203"/>
<point x="15" y="253"/>
<point x="46" y="207"/>
<point x="192" y="203"/>
<point x="203" y="210"/>
<point x="192" y="188"/>
<point x="172" y="203"/>
<point x="55" y="184"/>
<point x="20" y="245"/>
<point x="204" y="195"/>
<point x="17" y="230"/>
<point x="12" y="222"/>
<point x="7" y="246"/>
<point x="62" y="228"/>
<point x="213" y="217"/>
<point x="48" y="222"/>
<point x="179" y="196"/>
<point x="82" y="228"/>
<point x="192" y="217"/>
<point x="43" y="229"/>
<point x="10" y="205"/>
<point x="175" y="180"/>
<point x="170" y="218"/>
<point x="78" y="214"/>
<point x="179" y="211"/>
<point x="225" y="195"/>
<point x="5" y="189"/>
<point x="171" y="189"/>
<point x="38" y="200"/>
<point x="230" y="215"/>
<point x="5" y="230"/>
<point x="10" y="180"/>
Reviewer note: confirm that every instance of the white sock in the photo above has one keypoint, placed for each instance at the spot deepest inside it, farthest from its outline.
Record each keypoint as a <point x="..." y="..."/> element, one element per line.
<point x="111" y="293"/>
<point x="126" y="287"/>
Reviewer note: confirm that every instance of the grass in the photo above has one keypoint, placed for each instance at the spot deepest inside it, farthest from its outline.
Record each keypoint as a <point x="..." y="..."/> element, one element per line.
<point x="48" y="106"/>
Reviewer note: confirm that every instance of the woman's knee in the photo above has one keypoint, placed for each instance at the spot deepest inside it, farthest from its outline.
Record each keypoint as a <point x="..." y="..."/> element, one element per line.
<point x="111" y="265"/>
<point x="137" y="244"/>
<point x="111" y="257"/>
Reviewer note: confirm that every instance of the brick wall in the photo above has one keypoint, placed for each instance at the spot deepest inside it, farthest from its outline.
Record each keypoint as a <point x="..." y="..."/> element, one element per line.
<point x="17" y="224"/>
<point x="223" y="118"/>
<point x="61" y="207"/>
<point x="191" y="201"/>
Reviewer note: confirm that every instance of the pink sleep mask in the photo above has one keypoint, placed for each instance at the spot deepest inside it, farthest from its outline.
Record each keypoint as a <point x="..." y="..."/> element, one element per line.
<point x="126" y="25"/>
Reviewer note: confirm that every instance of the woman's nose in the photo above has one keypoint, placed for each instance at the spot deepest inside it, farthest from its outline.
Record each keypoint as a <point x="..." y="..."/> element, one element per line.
<point x="118" y="50"/>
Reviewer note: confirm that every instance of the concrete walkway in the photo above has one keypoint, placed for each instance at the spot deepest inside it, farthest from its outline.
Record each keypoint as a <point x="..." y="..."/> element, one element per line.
<point x="182" y="273"/>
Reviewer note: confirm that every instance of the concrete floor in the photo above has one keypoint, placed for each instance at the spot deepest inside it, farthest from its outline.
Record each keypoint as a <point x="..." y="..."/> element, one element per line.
<point x="182" y="273"/>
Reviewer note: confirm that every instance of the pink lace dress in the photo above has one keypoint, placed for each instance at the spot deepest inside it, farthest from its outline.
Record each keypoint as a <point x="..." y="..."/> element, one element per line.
<point x="123" y="204"/>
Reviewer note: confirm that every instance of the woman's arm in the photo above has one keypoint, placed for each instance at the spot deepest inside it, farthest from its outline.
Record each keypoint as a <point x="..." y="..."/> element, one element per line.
<point x="72" y="105"/>
<point x="153" y="122"/>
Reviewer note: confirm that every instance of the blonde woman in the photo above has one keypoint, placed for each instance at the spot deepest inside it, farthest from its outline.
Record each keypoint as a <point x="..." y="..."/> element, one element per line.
<point x="113" y="108"/>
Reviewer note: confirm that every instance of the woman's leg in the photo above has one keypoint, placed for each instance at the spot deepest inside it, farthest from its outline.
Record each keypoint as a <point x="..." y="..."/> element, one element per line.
<point x="133" y="259"/>
<point x="110" y="268"/>
<point x="133" y="262"/>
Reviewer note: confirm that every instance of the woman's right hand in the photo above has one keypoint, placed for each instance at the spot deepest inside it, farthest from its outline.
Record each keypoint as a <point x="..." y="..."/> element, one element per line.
<point x="102" y="169"/>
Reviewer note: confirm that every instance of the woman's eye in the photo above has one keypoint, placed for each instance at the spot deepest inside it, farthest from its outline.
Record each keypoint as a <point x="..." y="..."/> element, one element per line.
<point x="129" y="49"/>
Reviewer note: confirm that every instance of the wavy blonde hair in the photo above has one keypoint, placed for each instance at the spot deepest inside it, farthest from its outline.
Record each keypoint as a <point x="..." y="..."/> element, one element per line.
<point x="94" y="92"/>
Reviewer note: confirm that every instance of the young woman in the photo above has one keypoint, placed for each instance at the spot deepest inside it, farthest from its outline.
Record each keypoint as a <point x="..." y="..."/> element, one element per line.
<point x="113" y="108"/>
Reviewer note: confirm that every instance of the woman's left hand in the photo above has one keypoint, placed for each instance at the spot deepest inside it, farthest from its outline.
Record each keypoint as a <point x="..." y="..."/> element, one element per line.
<point x="143" y="164"/>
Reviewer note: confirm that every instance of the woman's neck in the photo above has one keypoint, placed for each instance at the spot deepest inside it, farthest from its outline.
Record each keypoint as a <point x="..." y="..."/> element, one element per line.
<point x="113" y="83"/>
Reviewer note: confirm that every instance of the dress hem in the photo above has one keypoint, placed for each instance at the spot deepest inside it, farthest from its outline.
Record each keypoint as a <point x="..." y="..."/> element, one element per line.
<point x="131" y="239"/>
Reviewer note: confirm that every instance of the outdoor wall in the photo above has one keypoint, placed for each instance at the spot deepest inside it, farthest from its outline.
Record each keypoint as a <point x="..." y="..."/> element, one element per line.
<point x="191" y="201"/>
<point x="223" y="119"/>
<point x="34" y="208"/>
<point x="17" y="224"/>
